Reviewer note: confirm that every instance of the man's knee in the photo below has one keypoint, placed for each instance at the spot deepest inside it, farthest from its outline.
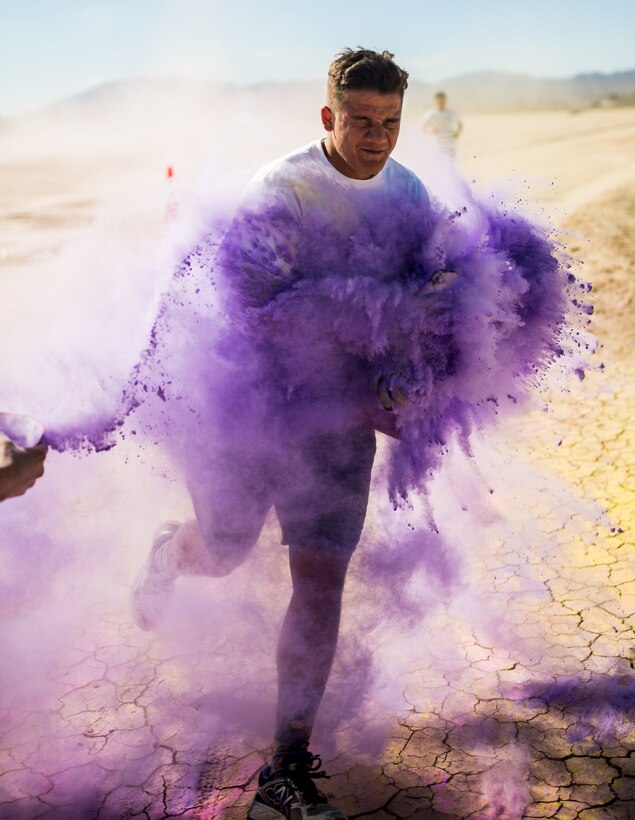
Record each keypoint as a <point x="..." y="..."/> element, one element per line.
<point x="318" y="571"/>
<point x="225" y="551"/>
<point x="208" y="551"/>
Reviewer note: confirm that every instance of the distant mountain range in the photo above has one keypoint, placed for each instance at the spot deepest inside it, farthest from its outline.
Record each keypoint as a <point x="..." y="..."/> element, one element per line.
<point x="494" y="91"/>
<point x="484" y="91"/>
<point x="179" y="119"/>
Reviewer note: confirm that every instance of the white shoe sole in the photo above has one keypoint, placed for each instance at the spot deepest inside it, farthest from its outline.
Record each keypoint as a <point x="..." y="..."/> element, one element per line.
<point x="259" y="811"/>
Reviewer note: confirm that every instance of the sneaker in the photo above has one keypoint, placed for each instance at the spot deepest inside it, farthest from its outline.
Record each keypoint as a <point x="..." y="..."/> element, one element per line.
<point x="154" y="585"/>
<point x="290" y="792"/>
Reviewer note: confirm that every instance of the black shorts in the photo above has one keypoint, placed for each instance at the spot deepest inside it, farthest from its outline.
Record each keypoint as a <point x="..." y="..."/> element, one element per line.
<point x="318" y="484"/>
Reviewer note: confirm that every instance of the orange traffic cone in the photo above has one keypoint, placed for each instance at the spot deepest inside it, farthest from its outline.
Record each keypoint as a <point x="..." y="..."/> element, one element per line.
<point x="171" y="207"/>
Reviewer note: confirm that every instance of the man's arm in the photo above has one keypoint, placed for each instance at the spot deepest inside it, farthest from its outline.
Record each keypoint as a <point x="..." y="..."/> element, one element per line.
<point x="428" y="124"/>
<point x="19" y="468"/>
<point x="458" y="126"/>
<point x="259" y="251"/>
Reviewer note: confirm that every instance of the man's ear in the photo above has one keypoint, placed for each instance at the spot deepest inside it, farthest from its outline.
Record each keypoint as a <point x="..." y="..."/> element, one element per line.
<point x="328" y="118"/>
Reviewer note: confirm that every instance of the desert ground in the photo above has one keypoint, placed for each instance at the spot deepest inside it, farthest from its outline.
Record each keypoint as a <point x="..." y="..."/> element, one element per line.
<point x="512" y="699"/>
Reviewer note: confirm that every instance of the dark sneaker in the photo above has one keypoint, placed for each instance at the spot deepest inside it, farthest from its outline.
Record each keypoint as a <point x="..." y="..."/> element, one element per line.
<point x="153" y="586"/>
<point x="290" y="792"/>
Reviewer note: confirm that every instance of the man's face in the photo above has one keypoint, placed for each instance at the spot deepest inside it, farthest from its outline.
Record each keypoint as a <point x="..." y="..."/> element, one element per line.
<point x="440" y="99"/>
<point x="362" y="132"/>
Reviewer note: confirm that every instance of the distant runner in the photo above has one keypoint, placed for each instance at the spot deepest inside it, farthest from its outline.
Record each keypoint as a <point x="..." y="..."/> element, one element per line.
<point x="443" y="123"/>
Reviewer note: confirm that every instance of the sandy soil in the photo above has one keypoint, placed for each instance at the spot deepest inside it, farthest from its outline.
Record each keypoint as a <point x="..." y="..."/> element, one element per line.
<point x="569" y="159"/>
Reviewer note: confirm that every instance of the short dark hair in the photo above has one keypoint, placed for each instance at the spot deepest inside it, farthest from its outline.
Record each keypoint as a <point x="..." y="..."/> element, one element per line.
<point x="364" y="70"/>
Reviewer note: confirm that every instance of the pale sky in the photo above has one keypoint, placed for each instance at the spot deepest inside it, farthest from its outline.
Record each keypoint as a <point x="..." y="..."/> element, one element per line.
<point x="50" y="49"/>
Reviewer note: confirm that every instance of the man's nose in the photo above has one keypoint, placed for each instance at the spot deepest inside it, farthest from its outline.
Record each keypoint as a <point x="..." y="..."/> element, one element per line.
<point x="377" y="132"/>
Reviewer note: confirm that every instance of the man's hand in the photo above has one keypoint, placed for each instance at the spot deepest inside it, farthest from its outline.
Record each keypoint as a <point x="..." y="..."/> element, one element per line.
<point x="390" y="397"/>
<point x="19" y="468"/>
<point x="443" y="278"/>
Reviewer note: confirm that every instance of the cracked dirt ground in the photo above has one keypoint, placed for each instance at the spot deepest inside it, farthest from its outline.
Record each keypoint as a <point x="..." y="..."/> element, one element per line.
<point x="486" y="732"/>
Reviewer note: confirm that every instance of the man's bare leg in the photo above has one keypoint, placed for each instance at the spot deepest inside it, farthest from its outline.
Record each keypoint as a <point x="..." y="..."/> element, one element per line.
<point x="307" y="644"/>
<point x="184" y="550"/>
<point x="187" y="553"/>
<point x="308" y="638"/>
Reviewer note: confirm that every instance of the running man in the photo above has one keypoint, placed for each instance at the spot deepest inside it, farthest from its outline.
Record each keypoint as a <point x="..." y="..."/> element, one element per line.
<point x="308" y="448"/>
<point x="443" y="123"/>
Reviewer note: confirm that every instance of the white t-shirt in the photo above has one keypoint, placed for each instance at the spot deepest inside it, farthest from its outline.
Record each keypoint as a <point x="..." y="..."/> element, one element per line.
<point x="312" y="181"/>
<point x="298" y="208"/>
<point x="444" y="125"/>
